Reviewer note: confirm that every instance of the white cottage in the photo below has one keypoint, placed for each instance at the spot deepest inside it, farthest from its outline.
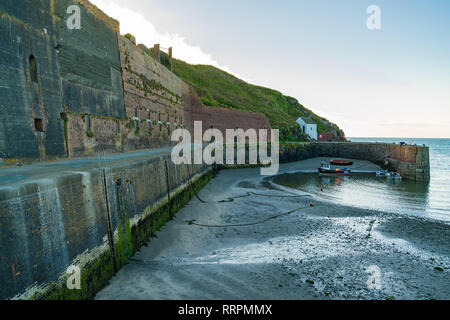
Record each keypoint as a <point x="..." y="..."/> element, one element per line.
<point x="308" y="126"/>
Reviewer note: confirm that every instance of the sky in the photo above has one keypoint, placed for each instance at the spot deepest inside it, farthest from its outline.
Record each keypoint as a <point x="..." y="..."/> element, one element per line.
<point x="390" y="82"/>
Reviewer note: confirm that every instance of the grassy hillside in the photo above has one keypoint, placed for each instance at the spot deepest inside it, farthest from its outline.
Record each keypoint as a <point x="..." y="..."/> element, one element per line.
<point x="217" y="88"/>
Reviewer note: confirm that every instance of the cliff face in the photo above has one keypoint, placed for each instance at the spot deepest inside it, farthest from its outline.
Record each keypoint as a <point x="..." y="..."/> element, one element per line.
<point x="217" y="88"/>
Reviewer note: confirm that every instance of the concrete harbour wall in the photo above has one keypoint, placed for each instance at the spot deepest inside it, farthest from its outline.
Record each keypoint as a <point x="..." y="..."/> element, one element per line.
<point x="411" y="161"/>
<point x="50" y="224"/>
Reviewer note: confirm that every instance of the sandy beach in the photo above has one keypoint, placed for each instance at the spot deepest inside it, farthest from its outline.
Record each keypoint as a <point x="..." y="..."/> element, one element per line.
<point x="233" y="247"/>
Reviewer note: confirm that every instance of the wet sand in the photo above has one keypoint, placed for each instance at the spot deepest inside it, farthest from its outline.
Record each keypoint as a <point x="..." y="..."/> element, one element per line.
<point x="326" y="251"/>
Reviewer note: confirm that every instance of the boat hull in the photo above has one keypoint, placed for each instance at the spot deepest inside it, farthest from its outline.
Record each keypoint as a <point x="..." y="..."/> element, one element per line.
<point x="333" y="172"/>
<point x="341" y="162"/>
<point x="382" y="173"/>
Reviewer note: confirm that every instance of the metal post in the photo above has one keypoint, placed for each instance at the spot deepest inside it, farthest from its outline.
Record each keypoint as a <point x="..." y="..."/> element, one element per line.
<point x="108" y="214"/>
<point x="169" y="202"/>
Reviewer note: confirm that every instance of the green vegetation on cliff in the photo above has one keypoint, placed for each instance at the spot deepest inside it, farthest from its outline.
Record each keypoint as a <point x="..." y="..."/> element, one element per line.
<point x="218" y="88"/>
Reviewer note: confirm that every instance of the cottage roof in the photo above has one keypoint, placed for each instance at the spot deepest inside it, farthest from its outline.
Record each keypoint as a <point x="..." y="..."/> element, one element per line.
<point x="307" y="120"/>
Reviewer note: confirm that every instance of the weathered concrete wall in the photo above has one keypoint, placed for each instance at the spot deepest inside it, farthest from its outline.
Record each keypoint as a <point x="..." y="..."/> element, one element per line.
<point x="91" y="80"/>
<point x="89" y="61"/>
<point x="27" y="37"/>
<point x="48" y="225"/>
<point x="412" y="162"/>
<point x="77" y="71"/>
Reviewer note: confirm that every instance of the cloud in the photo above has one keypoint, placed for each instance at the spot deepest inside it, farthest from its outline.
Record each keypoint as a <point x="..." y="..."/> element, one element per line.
<point x="145" y="32"/>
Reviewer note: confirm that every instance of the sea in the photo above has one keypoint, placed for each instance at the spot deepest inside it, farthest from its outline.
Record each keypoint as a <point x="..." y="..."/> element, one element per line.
<point x="427" y="199"/>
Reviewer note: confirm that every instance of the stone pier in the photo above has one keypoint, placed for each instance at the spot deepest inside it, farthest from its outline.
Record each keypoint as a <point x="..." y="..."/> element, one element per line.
<point x="411" y="161"/>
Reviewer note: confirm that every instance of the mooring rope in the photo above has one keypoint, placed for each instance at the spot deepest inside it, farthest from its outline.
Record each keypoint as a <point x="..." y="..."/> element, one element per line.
<point x="231" y="199"/>
<point x="192" y="187"/>
<point x="192" y="222"/>
<point x="251" y="193"/>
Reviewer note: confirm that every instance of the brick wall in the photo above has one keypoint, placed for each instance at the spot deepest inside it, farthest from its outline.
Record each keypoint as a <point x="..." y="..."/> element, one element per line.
<point x="220" y="118"/>
<point x="152" y="95"/>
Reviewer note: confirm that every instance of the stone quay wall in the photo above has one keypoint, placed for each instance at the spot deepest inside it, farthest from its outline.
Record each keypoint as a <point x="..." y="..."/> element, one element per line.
<point x="411" y="161"/>
<point x="69" y="219"/>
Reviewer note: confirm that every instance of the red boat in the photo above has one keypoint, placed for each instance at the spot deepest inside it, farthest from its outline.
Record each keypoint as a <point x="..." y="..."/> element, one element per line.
<point x="341" y="162"/>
